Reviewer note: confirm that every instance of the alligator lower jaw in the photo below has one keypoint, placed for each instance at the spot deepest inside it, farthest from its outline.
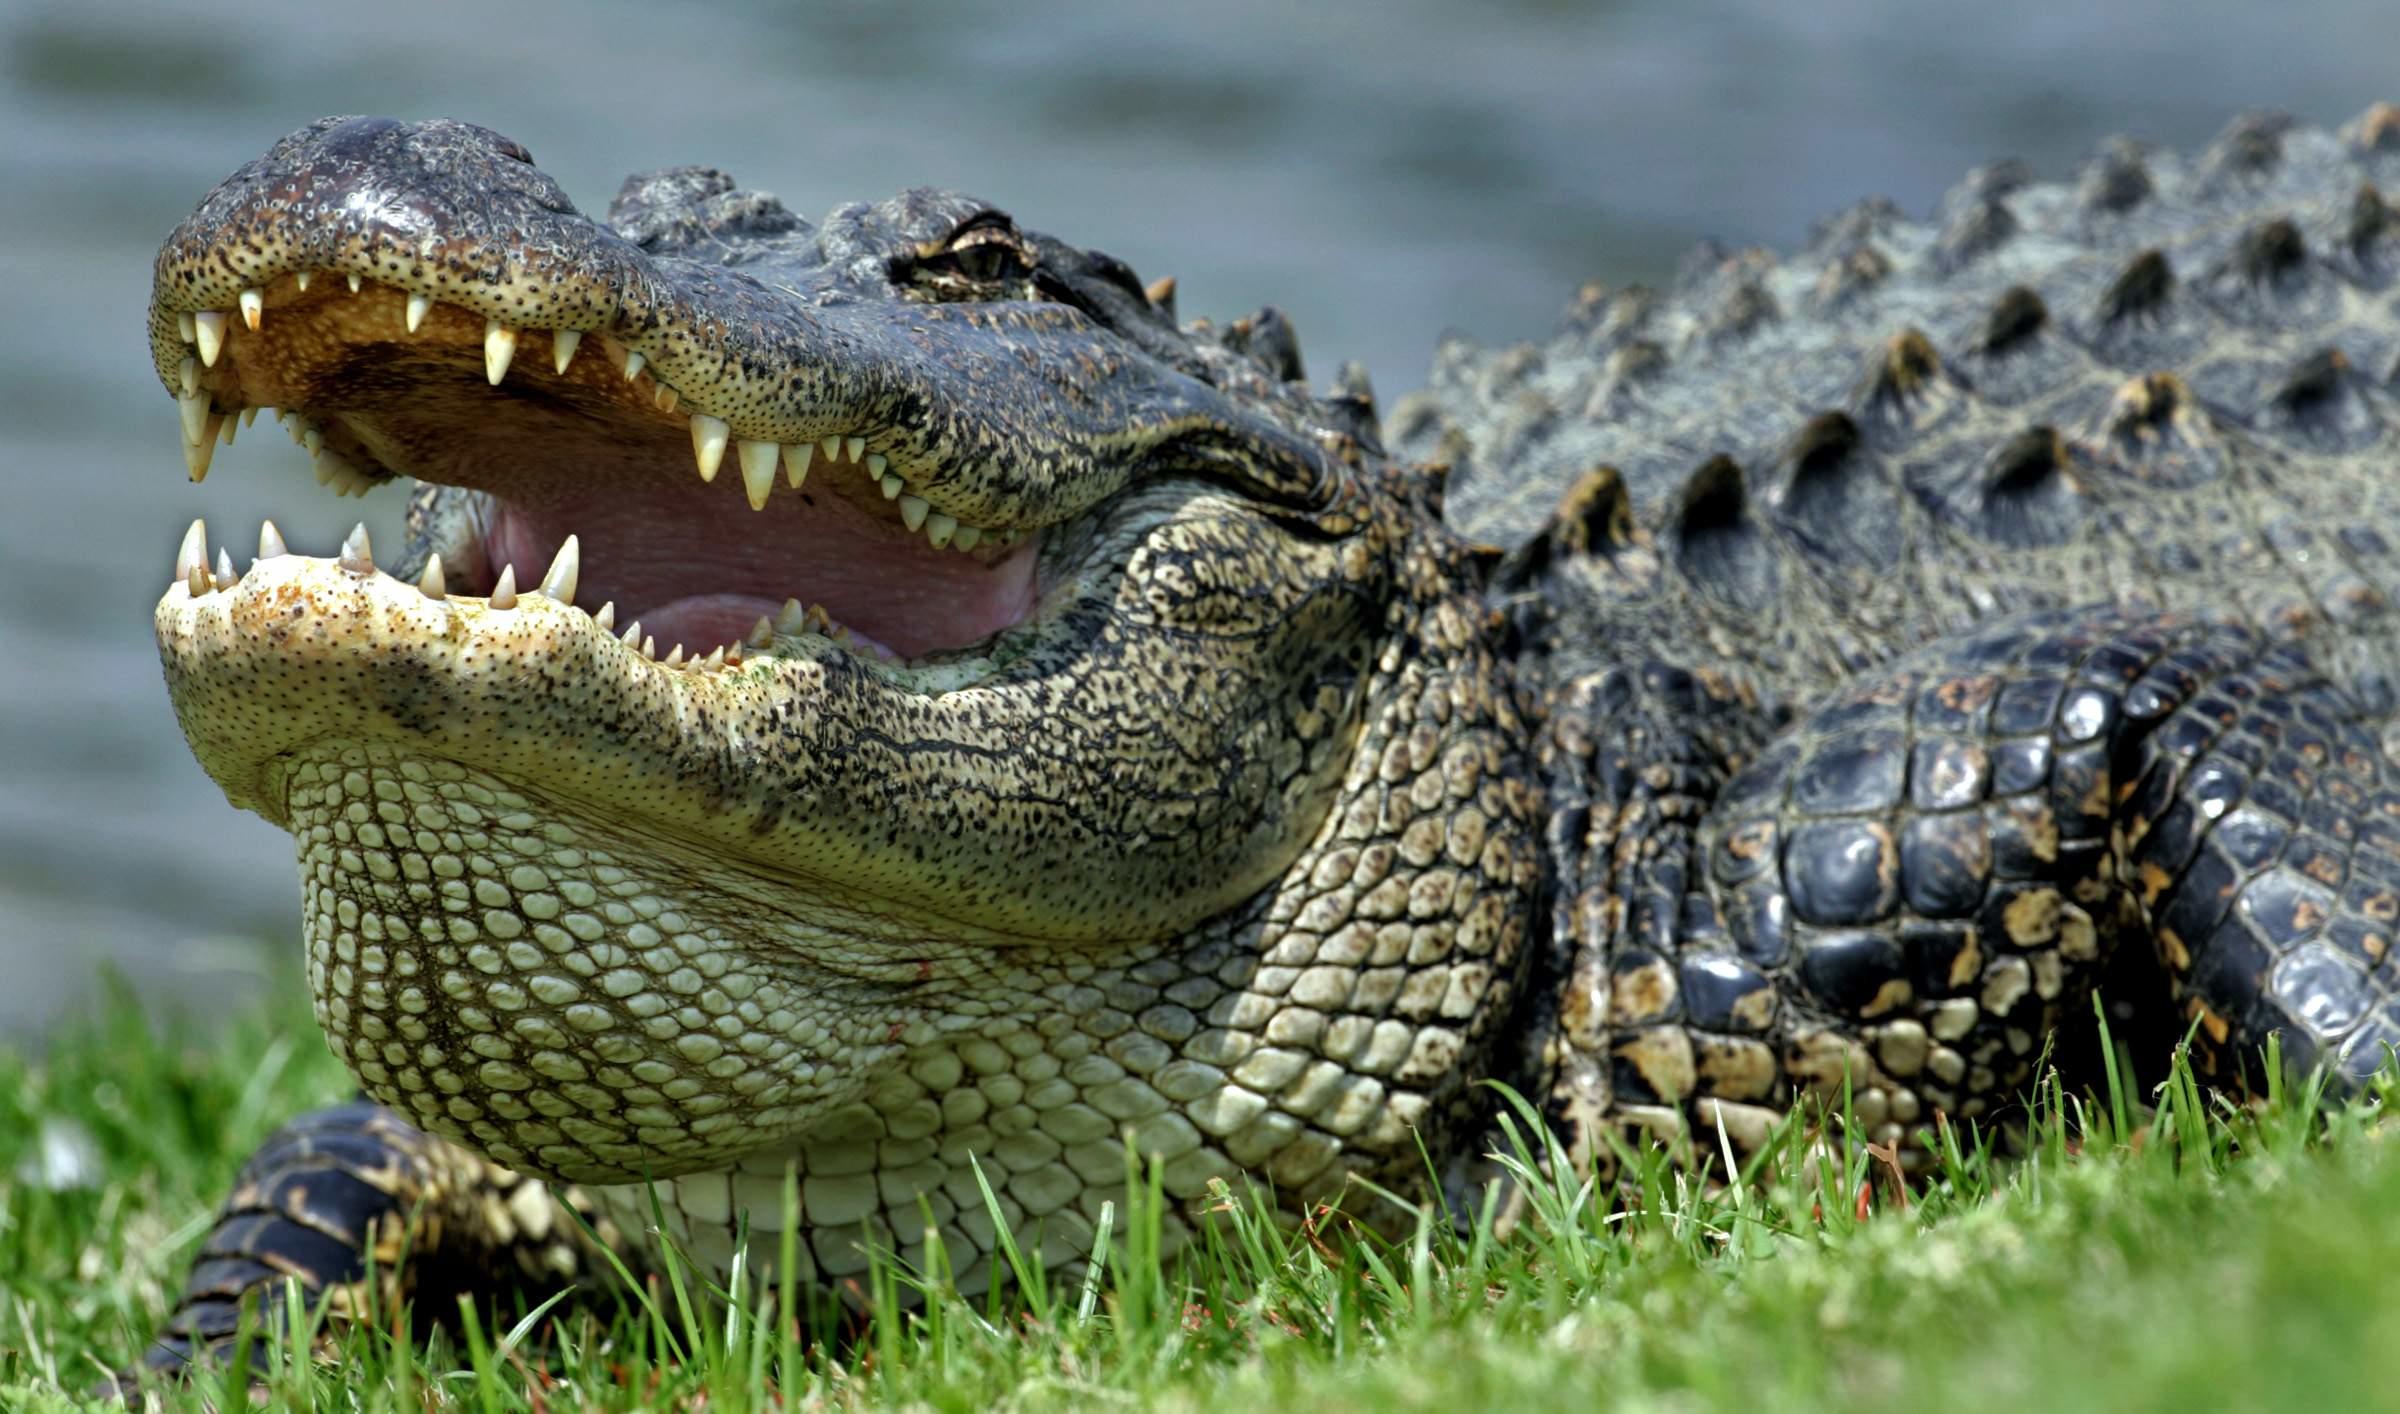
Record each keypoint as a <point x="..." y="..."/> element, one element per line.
<point x="587" y="463"/>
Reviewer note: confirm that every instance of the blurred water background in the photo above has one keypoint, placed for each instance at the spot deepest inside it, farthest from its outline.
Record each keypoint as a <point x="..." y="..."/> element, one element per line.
<point x="1381" y="169"/>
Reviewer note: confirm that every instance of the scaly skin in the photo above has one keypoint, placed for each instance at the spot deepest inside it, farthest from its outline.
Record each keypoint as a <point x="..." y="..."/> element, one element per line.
<point x="1807" y="821"/>
<point x="1252" y="814"/>
<point x="1228" y="846"/>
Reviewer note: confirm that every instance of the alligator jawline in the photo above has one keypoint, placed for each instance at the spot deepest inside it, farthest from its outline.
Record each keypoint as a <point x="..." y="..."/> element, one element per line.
<point x="583" y="441"/>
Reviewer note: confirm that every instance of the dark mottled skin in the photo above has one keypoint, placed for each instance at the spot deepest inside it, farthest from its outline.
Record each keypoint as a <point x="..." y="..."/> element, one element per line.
<point x="1933" y="611"/>
<point x="1822" y="674"/>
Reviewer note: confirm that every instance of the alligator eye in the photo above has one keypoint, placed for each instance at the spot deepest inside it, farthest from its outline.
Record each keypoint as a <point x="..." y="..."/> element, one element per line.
<point x="987" y="261"/>
<point x="983" y="250"/>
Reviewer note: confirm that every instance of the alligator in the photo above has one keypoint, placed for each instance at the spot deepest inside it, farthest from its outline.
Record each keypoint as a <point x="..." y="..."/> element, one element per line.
<point x="1788" y="696"/>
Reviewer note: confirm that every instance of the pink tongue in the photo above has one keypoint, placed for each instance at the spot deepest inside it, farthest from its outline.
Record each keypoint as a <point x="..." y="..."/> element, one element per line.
<point x="698" y="567"/>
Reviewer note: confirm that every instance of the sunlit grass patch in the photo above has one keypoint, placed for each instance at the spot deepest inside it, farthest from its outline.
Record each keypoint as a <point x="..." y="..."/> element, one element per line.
<point x="2168" y="1251"/>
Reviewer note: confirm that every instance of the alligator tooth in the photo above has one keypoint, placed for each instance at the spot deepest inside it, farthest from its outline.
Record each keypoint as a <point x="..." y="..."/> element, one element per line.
<point x="300" y="280"/>
<point x="184" y="326"/>
<point x="197" y="582"/>
<point x="649" y="646"/>
<point x="313" y="439"/>
<point x="504" y="594"/>
<point x="606" y="619"/>
<point x="758" y="470"/>
<point x="250" y="416"/>
<point x="664" y="398"/>
<point x="418" y="307"/>
<point x="189" y="375"/>
<point x="858" y="448"/>
<point x="194" y="409"/>
<point x="967" y="538"/>
<point x="632" y="636"/>
<point x="633" y="364"/>
<point x="270" y="540"/>
<point x="193" y="553"/>
<point x="559" y="580"/>
<point x="196" y="454"/>
<point x="912" y="512"/>
<point x="675" y="658"/>
<point x="891" y="485"/>
<point x="833" y="448"/>
<point x="562" y="347"/>
<point x="254" y="307"/>
<point x="355" y="282"/>
<point x="761" y="633"/>
<point x="790" y="617"/>
<point x="796" y="457"/>
<point x="714" y="660"/>
<point x="499" y="346"/>
<point x="939" y="528"/>
<point x="208" y="329"/>
<point x="325" y="467"/>
<point x="433" y="583"/>
<point x="226" y="426"/>
<point x="876" y="462"/>
<point x="358" y="554"/>
<point x="226" y="578"/>
<point x="708" y="443"/>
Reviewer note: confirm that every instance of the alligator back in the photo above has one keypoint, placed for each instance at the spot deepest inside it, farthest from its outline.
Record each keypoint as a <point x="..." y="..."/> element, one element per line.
<point x="2167" y="380"/>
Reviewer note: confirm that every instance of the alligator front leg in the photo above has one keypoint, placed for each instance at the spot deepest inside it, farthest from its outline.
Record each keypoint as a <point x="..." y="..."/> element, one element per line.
<point x="1911" y="890"/>
<point x="366" y="1211"/>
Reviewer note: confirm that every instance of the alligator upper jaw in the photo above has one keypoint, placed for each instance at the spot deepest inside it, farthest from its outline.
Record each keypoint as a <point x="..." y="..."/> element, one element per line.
<point x="427" y="303"/>
<point x="696" y="542"/>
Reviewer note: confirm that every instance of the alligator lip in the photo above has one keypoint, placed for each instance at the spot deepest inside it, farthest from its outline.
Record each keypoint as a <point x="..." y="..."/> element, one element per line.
<point x="691" y="532"/>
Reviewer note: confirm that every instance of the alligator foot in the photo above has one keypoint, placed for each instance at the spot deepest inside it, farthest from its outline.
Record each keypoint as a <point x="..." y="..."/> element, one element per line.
<point x="1912" y="889"/>
<point x="363" y="1211"/>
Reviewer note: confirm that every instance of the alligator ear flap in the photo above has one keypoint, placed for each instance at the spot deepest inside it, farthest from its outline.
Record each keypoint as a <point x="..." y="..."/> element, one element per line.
<point x="1719" y="544"/>
<point x="1271" y="342"/>
<point x="1595" y="517"/>
<point x="1350" y="406"/>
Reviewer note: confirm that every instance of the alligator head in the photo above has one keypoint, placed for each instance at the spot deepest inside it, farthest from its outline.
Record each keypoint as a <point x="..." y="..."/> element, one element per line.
<point x="1007" y="658"/>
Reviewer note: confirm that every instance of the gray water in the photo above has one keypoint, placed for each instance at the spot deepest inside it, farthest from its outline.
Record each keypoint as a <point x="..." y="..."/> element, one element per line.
<point x="1380" y="171"/>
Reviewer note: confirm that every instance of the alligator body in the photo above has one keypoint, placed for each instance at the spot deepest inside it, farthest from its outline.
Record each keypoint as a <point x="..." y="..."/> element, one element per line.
<point x="1051" y="727"/>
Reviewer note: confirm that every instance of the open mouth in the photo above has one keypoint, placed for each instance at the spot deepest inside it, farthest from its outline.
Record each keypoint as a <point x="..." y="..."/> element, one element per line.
<point x="582" y="475"/>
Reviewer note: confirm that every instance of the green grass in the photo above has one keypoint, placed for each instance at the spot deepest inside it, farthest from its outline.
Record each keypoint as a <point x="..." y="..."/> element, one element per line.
<point x="2198" y="1256"/>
